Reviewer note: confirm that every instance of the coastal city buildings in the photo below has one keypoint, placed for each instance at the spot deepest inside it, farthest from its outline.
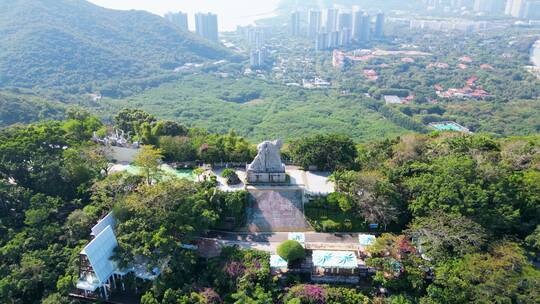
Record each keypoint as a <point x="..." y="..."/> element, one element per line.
<point x="314" y="23"/>
<point x="529" y="9"/>
<point x="295" y="23"/>
<point x="257" y="57"/>
<point x="206" y="26"/>
<point x="179" y="18"/>
<point x="331" y="19"/>
<point x="379" y="25"/>
<point x="342" y="27"/>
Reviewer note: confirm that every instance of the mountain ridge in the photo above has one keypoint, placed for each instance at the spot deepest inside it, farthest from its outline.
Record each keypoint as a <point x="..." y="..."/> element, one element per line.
<point x="48" y="43"/>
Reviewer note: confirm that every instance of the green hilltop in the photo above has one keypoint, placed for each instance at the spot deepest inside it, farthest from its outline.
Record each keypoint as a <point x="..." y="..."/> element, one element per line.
<point x="59" y="43"/>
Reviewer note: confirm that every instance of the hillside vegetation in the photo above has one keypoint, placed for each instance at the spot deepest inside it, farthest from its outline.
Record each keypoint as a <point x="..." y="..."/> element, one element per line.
<point x="60" y="43"/>
<point x="458" y="207"/>
<point x="17" y="108"/>
<point x="259" y="110"/>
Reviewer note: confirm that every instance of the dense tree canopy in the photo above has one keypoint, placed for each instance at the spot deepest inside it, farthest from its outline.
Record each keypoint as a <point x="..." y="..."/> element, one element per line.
<point x="451" y="201"/>
<point x="326" y="152"/>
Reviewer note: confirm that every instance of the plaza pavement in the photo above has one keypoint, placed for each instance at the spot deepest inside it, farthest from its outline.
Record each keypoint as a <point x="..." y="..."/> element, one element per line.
<point x="269" y="241"/>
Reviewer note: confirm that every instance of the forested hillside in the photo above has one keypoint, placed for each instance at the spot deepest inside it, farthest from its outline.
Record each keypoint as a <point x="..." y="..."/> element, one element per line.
<point x="17" y="108"/>
<point x="61" y="43"/>
<point x="468" y="203"/>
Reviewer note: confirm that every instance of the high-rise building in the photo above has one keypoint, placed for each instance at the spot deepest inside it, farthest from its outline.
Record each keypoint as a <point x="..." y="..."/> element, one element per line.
<point x="180" y="19"/>
<point x="490" y="6"/>
<point x="379" y="25"/>
<point x="357" y="24"/>
<point x="255" y="37"/>
<point x="321" y="42"/>
<point x="483" y="6"/>
<point x="295" y="23"/>
<point x="257" y="57"/>
<point x="344" y="21"/>
<point x="508" y="7"/>
<point x="365" y="28"/>
<point x="314" y="23"/>
<point x="333" y="39"/>
<point x="206" y="25"/>
<point x="532" y="10"/>
<point x="518" y="8"/>
<point x="345" y="37"/>
<point x="331" y="19"/>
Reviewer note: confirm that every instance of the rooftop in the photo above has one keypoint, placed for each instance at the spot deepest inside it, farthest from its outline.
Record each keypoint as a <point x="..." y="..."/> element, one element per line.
<point x="335" y="259"/>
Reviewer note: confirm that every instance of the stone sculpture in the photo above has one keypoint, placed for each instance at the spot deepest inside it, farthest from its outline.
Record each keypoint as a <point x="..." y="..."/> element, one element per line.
<point x="268" y="158"/>
<point x="267" y="166"/>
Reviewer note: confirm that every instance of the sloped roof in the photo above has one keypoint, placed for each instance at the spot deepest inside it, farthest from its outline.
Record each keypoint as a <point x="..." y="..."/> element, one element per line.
<point x="108" y="220"/>
<point x="99" y="252"/>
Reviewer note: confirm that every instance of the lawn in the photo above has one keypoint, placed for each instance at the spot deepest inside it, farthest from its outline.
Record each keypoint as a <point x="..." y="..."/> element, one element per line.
<point x="328" y="220"/>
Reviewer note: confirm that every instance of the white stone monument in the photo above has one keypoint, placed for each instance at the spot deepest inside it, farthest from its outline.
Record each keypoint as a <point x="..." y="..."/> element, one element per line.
<point x="267" y="167"/>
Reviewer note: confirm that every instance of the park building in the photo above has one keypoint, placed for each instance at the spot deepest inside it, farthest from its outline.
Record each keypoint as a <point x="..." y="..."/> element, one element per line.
<point x="99" y="274"/>
<point x="325" y="263"/>
<point x="206" y="26"/>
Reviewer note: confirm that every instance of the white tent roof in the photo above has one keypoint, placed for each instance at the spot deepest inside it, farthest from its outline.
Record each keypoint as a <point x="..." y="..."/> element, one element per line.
<point x="108" y="220"/>
<point x="99" y="252"/>
<point x="335" y="259"/>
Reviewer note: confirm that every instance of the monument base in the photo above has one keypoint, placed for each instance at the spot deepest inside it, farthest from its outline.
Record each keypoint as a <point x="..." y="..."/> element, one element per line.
<point x="266" y="177"/>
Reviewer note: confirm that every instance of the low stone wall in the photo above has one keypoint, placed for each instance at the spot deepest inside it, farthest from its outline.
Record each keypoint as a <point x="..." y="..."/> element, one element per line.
<point x="266" y="178"/>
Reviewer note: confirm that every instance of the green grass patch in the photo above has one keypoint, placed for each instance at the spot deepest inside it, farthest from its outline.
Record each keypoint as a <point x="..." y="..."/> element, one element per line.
<point x="331" y="220"/>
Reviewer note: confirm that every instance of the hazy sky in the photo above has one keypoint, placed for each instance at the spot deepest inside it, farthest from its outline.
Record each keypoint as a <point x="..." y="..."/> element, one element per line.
<point x="230" y="12"/>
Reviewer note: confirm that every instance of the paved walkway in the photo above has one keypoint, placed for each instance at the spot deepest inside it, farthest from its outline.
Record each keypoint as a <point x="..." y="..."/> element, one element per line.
<point x="269" y="241"/>
<point x="276" y="209"/>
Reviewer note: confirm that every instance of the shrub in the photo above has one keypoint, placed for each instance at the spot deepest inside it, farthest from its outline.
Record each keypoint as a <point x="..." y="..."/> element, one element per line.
<point x="347" y="225"/>
<point x="291" y="251"/>
<point x="330" y="226"/>
<point x="231" y="177"/>
<point x="339" y="201"/>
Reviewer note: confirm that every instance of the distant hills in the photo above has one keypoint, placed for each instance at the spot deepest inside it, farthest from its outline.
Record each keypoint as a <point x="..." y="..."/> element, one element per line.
<point x="21" y="108"/>
<point x="58" y="43"/>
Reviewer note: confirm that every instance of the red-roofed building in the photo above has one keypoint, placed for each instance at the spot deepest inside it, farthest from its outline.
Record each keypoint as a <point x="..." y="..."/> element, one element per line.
<point x="371" y="74"/>
<point x="486" y="67"/>
<point x="466" y="59"/>
<point x="471" y="81"/>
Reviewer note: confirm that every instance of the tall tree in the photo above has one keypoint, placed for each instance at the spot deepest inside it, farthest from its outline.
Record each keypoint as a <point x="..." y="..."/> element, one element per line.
<point x="149" y="159"/>
<point x="446" y="235"/>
